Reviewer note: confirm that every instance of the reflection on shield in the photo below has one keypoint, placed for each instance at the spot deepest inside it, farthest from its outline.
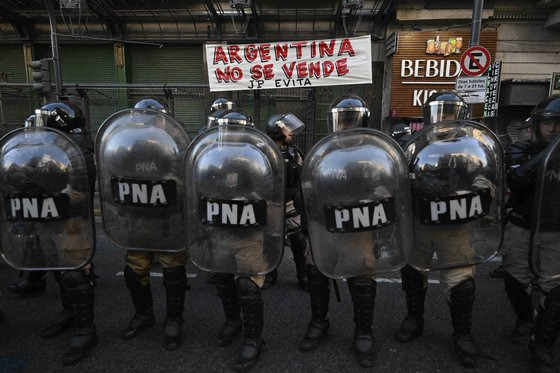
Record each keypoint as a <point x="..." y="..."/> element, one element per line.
<point x="545" y="232"/>
<point x="234" y="201"/>
<point x="457" y="192"/>
<point x="47" y="219"/>
<point x="139" y="156"/>
<point x="357" y="204"/>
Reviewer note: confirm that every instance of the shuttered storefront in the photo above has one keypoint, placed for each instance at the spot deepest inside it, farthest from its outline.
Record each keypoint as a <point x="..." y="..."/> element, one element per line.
<point x="173" y="64"/>
<point x="15" y="103"/>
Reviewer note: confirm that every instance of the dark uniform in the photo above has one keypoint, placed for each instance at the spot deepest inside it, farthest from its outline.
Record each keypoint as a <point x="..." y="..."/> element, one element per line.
<point x="523" y="159"/>
<point x="281" y="128"/>
<point x="76" y="286"/>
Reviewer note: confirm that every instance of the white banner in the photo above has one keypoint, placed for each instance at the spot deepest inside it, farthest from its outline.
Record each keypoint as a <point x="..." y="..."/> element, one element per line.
<point x="313" y="63"/>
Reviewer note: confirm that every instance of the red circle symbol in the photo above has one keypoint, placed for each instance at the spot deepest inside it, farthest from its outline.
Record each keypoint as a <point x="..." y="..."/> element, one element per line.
<point x="475" y="61"/>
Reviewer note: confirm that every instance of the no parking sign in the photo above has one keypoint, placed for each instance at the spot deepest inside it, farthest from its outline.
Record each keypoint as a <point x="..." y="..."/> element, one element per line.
<point x="475" y="61"/>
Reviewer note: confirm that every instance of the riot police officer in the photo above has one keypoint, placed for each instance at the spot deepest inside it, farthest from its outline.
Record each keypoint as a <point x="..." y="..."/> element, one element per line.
<point x="523" y="160"/>
<point x="440" y="107"/>
<point x="281" y="128"/>
<point x="74" y="232"/>
<point x="346" y="112"/>
<point x="219" y="106"/>
<point x="137" y="273"/>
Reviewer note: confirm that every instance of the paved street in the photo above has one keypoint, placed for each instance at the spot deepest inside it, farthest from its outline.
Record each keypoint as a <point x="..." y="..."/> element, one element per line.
<point x="286" y="316"/>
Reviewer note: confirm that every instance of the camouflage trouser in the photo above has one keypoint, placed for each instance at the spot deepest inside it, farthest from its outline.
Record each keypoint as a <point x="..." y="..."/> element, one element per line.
<point x="516" y="261"/>
<point x="141" y="261"/>
<point x="453" y="246"/>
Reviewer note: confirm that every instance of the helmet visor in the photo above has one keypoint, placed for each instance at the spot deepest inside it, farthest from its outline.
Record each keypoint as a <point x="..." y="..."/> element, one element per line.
<point x="347" y="118"/>
<point x="291" y="123"/>
<point x="438" y="112"/>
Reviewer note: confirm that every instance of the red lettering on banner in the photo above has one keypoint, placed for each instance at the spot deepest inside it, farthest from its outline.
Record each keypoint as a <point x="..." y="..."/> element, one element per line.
<point x="298" y="47"/>
<point x="251" y="53"/>
<point x="233" y="56"/>
<point x="313" y="49"/>
<point x="346" y="47"/>
<point x="326" y="49"/>
<point x="328" y="68"/>
<point x="264" y="51"/>
<point x="341" y="67"/>
<point x="315" y="69"/>
<point x="302" y="70"/>
<point x="260" y="72"/>
<point x="281" y="51"/>
<point x="234" y="74"/>
<point x="220" y="55"/>
<point x="289" y="71"/>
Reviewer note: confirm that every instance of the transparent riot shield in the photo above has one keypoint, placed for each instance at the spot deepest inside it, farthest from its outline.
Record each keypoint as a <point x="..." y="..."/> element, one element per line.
<point x="234" y="204"/>
<point x="139" y="161"/>
<point x="357" y="204"/>
<point x="545" y="232"/>
<point x="47" y="206"/>
<point x="457" y="193"/>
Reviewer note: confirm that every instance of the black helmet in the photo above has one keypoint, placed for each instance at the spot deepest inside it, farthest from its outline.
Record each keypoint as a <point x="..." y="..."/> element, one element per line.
<point x="214" y="116"/>
<point x="61" y="115"/>
<point x="443" y="106"/>
<point x="153" y="104"/>
<point x="547" y="110"/>
<point x="288" y="122"/>
<point x="347" y="112"/>
<point x="222" y="103"/>
<point x="238" y="117"/>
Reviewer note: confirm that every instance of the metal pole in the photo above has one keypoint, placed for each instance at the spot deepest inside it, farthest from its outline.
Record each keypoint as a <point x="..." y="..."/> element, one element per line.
<point x="54" y="45"/>
<point x="476" y="22"/>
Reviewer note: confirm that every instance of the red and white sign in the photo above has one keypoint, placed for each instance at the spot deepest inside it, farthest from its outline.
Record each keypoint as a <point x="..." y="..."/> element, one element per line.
<point x="313" y="63"/>
<point x="475" y="61"/>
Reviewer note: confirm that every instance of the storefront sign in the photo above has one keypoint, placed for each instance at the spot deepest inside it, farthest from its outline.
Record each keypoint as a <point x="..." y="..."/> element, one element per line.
<point x="313" y="63"/>
<point x="426" y="62"/>
<point x="391" y="44"/>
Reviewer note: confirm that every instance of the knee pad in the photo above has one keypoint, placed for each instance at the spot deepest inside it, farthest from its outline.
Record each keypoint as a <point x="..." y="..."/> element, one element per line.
<point x="75" y="280"/>
<point x="298" y="242"/>
<point x="174" y="275"/>
<point x="413" y="279"/>
<point x="246" y="288"/>
<point x="360" y="286"/>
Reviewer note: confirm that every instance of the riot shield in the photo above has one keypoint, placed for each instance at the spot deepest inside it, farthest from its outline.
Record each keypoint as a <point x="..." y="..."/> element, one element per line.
<point x="457" y="193"/>
<point x="139" y="157"/>
<point x="358" y="210"/>
<point x="47" y="206"/>
<point x="545" y="232"/>
<point x="234" y="204"/>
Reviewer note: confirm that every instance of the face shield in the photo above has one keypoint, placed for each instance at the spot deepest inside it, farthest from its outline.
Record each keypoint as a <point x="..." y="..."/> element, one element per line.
<point x="443" y="111"/>
<point x="347" y="118"/>
<point x="291" y="123"/>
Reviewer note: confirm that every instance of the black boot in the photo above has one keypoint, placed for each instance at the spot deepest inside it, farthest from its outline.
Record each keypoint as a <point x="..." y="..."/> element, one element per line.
<point x="298" y="244"/>
<point x="32" y="284"/>
<point x="252" y="307"/>
<point x="175" y="282"/>
<point x="228" y="293"/>
<point x="2" y="318"/>
<point x="547" y="326"/>
<point x="522" y="303"/>
<point x="64" y="319"/>
<point x="270" y="279"/>
<point x="363" y="291"/>
<point x="461" y="306"/>
<point x="143" y="302"/>
<point x="319" y="293"/>
<point x="80" y="293"/>
<point x="413" y="284"/>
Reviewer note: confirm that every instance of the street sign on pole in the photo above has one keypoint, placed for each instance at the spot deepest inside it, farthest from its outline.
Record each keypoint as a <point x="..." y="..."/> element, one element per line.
<point x="493" y="90"/>
<point x="472" y="88"/>
<point x="475" y="61"/>
<point x="554" y="84"/>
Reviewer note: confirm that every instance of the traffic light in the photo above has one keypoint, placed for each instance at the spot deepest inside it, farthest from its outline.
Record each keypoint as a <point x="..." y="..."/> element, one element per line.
<point x="41" y="74"/>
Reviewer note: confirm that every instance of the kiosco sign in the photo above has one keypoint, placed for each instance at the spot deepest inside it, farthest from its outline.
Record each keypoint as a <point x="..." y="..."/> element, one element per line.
<point x="289" y="64"/>
<point x="426" y="62"/>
